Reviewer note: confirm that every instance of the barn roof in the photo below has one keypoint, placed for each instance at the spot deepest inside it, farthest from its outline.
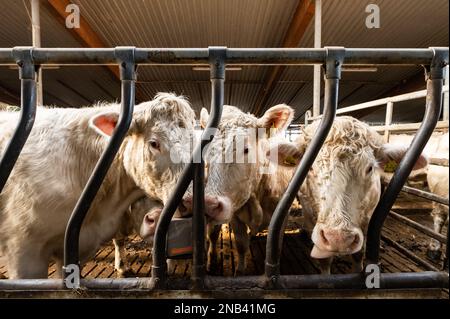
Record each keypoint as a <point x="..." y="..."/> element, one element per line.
<point x="232" y="23"/>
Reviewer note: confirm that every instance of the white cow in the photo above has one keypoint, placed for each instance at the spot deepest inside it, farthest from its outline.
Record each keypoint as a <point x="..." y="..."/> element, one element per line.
<point x="343" y="186"/>
<point x="57" y="161"/>
<point x="252" y="193"/>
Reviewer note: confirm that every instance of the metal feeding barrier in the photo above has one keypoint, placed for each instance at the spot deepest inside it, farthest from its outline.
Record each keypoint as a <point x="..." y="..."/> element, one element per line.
<point x="331" y="58"/>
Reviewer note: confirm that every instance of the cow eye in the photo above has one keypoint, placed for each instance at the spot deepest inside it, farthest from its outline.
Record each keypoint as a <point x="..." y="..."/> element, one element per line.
<point x="246" y="150"/>
<point x="154" y="144"/>
<point x="369" y="169"/>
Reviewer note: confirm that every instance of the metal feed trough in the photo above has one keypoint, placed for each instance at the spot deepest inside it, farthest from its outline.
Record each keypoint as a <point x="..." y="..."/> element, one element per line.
<point x="331" y="58"/>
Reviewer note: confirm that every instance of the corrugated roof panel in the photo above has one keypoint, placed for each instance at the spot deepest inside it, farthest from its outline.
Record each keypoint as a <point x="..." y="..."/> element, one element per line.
<point x="234" y="23"/>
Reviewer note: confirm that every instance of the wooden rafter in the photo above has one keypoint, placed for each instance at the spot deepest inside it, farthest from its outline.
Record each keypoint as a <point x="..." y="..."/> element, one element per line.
<point x="299" y="23"/>
<point x="84" y="34"/>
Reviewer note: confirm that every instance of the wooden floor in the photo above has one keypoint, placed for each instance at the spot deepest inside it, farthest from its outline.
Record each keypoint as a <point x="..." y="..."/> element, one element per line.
<point x="294" y="260"/>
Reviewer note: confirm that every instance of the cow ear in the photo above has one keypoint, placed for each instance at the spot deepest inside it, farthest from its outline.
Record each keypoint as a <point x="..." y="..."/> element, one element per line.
<point x="284" y="153"/>
<point x="278" y="117"/>
<point x="204" y="116"/>
<point x="104" y="123"/>
<point x="390" y="155"/>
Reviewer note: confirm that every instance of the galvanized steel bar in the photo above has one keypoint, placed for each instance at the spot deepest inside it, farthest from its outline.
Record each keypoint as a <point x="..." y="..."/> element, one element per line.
<point x="334" y="60"/>
<point x="217" y="65"/>
<point x="198" y="226"/>
<point x="125" y="57"/>
<point x="409" y="280"/>
<point x="250" y="56"/>
<point x="27" y="75"/>
<point x="432" y="112"/>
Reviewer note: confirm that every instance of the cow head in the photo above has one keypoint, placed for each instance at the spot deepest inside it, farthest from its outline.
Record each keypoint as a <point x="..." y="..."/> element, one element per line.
<point x="161" y="129"/>
<point x="342" y="187"/>
<point x="236" y="154"/>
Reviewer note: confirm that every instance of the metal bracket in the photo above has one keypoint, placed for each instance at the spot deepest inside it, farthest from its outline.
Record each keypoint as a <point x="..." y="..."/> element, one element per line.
<point x="24" y="59"/>
<point x="125" y="56"/>
<point x="217" y="56"/>
<point x="435" y="71"/>
<point x="333" y="62"/>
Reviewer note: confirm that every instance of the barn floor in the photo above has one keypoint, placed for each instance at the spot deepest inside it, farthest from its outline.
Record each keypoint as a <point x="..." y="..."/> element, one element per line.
<point x="294" y="260"/>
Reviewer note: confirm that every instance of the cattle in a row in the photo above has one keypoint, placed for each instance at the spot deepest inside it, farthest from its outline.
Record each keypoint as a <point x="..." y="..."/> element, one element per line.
<point x="338" y="196"/>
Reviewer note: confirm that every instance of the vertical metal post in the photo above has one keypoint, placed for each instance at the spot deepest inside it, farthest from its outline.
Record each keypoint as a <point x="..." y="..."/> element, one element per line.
<point x="217" y="56"/>
<point x="445" y="107"/>
<point x="36" y="40"/>
<point x="446" y="256"/>
<point x="317" y="44"/>
<point x="27" y="74"/>
<point x="125" y="57"/>
<point x="334" y="60"/>
<point x="198" y="226"/>
<point x="433" y="108"/>
<point x="388" y="120"/>
<point x="217" y="66"/>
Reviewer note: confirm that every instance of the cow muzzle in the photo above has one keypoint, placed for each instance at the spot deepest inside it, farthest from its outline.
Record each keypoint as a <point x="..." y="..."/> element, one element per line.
<point x="217" y="208"/>
<point x="148" y="226"/>
<point x="329" y="242"/>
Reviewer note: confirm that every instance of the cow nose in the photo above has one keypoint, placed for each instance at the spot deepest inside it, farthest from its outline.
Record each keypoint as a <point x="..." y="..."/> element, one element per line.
<point x="149" y="223"/>
<point x="339" y="240"/>
<point x="218" y="208"/>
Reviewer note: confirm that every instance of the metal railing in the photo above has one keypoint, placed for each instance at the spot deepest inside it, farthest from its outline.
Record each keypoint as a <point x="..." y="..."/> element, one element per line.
<point x="388" y="126"/>
<point x="331" y="58"/>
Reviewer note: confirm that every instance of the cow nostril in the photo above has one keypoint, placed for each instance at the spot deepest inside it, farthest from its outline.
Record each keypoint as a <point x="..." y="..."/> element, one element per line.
<point x="355" y="241"/>
<point x="323" y="237"/>
<point x="149" y="220"/>
<point x="219" y="206"/>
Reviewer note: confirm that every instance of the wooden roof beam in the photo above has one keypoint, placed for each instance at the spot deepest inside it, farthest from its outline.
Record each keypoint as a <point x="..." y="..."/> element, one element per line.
<point x="296" y="30"/>
<point x="84" y="34"/>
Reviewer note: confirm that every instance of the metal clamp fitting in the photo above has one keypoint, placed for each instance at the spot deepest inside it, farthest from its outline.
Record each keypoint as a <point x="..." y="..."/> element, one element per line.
<point x="438" y="63"/>
<point x="125" y="56"/>
<point x="217" y="56"/>
<point x="334" y="60"/>
<point x="24" y="59"/>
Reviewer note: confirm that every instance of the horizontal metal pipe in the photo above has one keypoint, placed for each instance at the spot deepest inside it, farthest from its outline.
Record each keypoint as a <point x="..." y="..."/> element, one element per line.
<point x="439" y="237"/>
<point x="252" y="56"/>
<point x="419" y="280"/>
<point x="409" y="253"/>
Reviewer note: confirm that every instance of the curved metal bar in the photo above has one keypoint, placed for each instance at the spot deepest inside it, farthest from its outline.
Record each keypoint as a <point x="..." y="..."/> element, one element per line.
<point x="432" y="112"/>
<point x="217" y="64"/>
<point x="27" y="74"/>
<point x="334" y="61"/>
<point x="71" y="240"/>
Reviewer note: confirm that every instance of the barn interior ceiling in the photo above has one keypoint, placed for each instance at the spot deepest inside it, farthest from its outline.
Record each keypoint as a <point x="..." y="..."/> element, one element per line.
<point x="232" y="23"/>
